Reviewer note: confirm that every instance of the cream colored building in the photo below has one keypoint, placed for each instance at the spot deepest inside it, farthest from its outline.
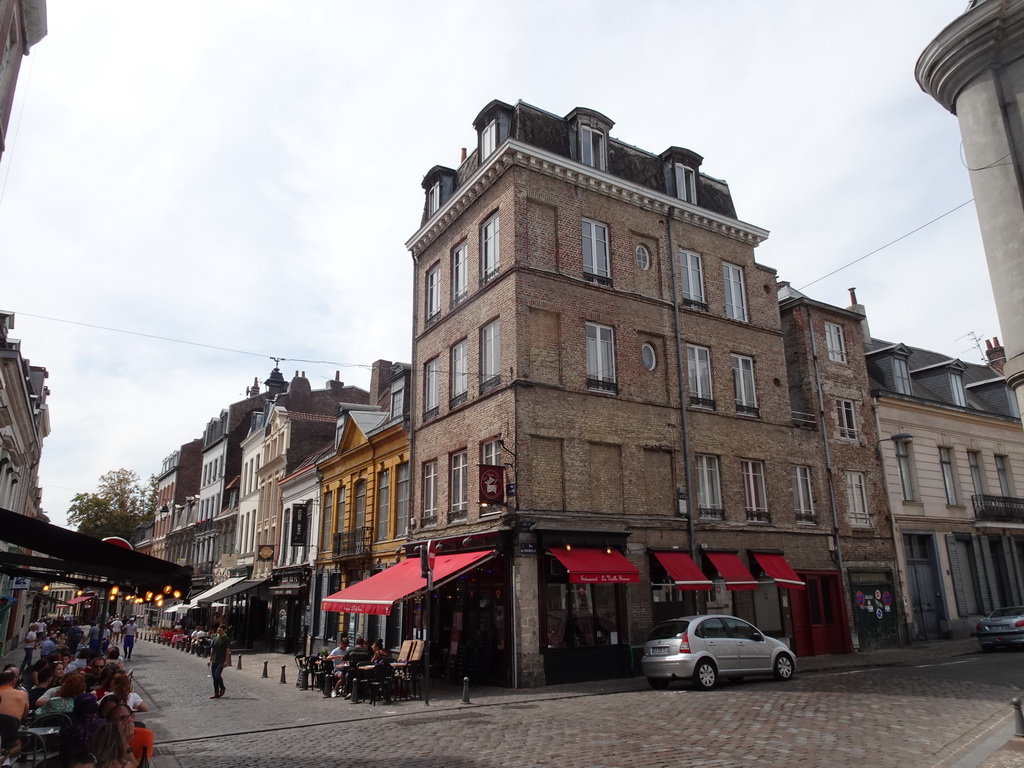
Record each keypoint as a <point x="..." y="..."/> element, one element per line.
<point x="953" y="452"/>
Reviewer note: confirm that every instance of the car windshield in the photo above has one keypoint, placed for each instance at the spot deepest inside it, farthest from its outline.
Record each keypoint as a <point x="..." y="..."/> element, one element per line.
<point x="668" y="630"/>
<point x="1013" y="610"/>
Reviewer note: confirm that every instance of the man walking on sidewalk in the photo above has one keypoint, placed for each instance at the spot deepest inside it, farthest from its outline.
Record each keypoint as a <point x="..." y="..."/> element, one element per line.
<point x="129" y="637"/>
<point x="220" y="657"/>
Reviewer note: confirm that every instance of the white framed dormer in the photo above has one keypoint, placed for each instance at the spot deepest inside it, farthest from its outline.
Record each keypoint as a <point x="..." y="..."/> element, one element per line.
<point x="434" y="198"/>
<point x="686" y="183"/>
<point x="488" y="139"/>
<point x="589" y="132"/>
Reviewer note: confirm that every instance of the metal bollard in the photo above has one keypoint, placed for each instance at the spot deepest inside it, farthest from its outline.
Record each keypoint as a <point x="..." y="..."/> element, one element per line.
<point x="239" y="661"/>
<point x="283" y="667"/>
<point x="1018" y="717"/>
<point x="265" y="669"/>
<point x="465" y="690"/>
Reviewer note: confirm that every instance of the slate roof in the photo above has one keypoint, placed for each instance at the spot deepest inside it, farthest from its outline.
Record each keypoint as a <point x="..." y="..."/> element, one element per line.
<point x="985" y="387"/>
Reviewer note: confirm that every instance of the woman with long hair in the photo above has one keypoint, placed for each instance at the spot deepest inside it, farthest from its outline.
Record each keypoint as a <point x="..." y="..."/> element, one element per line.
<point x="121" y="688"/>
<point x="111" y="747"/>
<point x="64" y="700"/>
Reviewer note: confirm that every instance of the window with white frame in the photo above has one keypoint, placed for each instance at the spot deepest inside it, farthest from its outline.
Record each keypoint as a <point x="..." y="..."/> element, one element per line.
<point x="686" y="183"/>
<point x="434" y="198"/>
<point x="643" y="257"/>
<point x="835" y="343"/>
<point x="857" y="499"/>
<point x="490" y="453"/>
<point x="709" y="487"/>
<point x="397" y="400"/>
<point x="383" y="503"/>
<point x="692" y="271"/>
<point x="755" y="493"/>
<point x="431" y="373"/>
<point x="339" y="515"/>
<point x="402" y="500"/>
<point x="458" y="488"/>
<point x="956" y="389"/>
<point x="901" y="376"/>
<point x="490" y="248"/>
<point x="430" y="491"/>
<point x="948" y="478"/>
<point x="846" y="419"/>
<point x="488" y="139"/>
<point x="803" y="493"/>
<point x="735" y="292"/>
<point x="433" y="292"/>
<point x="1003" y="475"/>
<point x="459" y="374"/>
<point x="743" y="382"/>
<point x="359" y="515"/>
<point x="698" y="365"/>
<point x="460" y="274"/>
<point x="1011" y="399"/>
<point x="600" y="358"/>
<point x="595" y="250"/>
<point x="490" y="356"/>
<point x="325" y="524"/>
<point x="977" y="476"/>
<point x="592" y="147"/>
<point x="903" y="470"/>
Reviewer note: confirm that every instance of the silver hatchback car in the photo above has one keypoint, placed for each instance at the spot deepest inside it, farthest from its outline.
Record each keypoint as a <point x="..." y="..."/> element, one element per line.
<point x="705" y="648"/>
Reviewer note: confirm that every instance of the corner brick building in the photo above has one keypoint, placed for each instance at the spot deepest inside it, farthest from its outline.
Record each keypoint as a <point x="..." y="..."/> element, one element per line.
<point x="592" y="328"/>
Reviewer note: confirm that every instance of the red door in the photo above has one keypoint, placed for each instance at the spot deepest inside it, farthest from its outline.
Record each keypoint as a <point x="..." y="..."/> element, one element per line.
<point x="819" y="625"/>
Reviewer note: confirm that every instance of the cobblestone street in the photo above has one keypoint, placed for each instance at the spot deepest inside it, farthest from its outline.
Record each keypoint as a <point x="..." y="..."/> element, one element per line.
<point x="875" y="717"/>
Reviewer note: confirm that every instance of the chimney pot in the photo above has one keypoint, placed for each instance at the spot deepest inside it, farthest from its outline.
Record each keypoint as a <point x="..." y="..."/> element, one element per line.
<point x="853" y="295"/>
<point x="463" y="155"/>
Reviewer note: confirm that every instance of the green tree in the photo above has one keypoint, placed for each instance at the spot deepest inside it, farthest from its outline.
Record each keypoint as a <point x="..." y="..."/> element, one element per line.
<point x="120" y="504"/>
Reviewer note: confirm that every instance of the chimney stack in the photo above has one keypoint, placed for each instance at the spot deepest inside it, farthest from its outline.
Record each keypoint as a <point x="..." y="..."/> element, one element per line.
<point x="379" y="380"/>
<point x="995" y="354"/>
<point x="254" y="390"/>
<point x="463" y="159"/>
<point x="861" y="310"/>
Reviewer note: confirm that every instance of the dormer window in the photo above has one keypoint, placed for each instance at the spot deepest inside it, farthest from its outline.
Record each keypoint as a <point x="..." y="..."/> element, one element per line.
<point x="901" y="376"/>
<point x="397" y="399"/>
<point x="434" y="198"/>
<point x="956" y="389"/>
<point x="489" y="139"/>
<point x="592" y="147"/>
<point x="686" y="184"/>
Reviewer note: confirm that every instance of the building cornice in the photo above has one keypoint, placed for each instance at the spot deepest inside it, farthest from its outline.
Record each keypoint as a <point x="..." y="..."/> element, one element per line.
<point x="989" y="35"/>
<point x="523" y="155"/>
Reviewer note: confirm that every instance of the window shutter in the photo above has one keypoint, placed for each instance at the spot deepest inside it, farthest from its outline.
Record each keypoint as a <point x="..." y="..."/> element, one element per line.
<point x="954" y="570"/>
<point x="986" y="573"/>
<point x="1011" y="571"/>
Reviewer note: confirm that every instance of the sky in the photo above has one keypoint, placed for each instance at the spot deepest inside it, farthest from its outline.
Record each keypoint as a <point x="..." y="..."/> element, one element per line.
<point x="242" y="176"/>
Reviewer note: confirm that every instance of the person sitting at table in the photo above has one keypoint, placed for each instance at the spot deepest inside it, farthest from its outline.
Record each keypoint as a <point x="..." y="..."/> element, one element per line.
<point x="360" y="654"/>
<point x="340" y="665"/>
<point x="85" y="721"/>
<point x="44" y="682"/>
<point x="121" y="689"/>
<point x="64" y="699"/>
<point x="101" y="687"/>
<point x="380" y="652"/>
<point x="114" y="658"/>
<point x="138" y="737"/>
<point x="13" y="708"/>
<point x="94" y="671"/>
<point x="111" y="748"/>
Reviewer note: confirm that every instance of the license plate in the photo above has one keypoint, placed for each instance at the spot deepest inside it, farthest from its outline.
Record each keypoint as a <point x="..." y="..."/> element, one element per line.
<point x="659" y="650"/>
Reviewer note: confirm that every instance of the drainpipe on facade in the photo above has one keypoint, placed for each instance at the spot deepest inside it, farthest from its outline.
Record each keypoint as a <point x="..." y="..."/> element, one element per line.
<point x="901" y="585"/>
<point x="681" y="369"/>
<point x="828" y="455"/>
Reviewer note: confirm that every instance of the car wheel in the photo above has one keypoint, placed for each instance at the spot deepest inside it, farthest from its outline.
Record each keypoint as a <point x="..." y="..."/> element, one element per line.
<point x="783" y="667"/>
<point x="658" y="683"/>
<point x="705" y="675"/>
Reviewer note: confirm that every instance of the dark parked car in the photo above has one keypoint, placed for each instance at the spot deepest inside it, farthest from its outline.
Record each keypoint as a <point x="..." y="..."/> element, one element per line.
<point x="1002" y="627"/>
<point x="705" y="648"/>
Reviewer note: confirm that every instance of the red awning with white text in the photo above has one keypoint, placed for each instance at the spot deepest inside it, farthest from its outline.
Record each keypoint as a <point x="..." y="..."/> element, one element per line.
<point x="377" y="594"/>
<point x="683" y="571"/>
<point x="737" y="577"/>
<point x="80" y="599"/>
<point x="780" y="570"/>
<point x="596" y="566"/>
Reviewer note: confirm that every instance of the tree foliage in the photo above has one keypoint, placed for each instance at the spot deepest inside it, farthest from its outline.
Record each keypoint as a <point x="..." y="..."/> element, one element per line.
<point x="120" y="504"/>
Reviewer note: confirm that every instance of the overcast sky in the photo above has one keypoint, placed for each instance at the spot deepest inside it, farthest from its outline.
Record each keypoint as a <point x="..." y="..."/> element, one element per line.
<point x="245" y="174"/>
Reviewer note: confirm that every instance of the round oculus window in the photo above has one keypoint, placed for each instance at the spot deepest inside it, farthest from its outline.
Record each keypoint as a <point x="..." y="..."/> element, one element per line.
<point x="643" y="257"/>
<point x="649" y="357"/>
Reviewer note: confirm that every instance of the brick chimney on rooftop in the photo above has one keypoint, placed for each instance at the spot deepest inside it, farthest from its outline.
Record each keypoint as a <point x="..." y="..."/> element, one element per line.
<point x="995" y="354"/>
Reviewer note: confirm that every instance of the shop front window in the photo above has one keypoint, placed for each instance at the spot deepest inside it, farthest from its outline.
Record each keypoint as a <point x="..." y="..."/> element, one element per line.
<point x="581" y="615"/>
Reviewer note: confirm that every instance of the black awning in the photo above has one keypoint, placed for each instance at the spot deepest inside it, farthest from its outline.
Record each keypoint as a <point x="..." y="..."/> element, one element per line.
<point x="76" y="558"/>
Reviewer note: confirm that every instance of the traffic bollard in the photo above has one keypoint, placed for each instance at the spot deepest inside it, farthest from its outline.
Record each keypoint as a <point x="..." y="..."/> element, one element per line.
<point x="265" y="669"/>
<point x="283" y="667"/>
<point x="239" y="661"/>
<point x="1018" y="717"/>
<point x="465" y="690"/>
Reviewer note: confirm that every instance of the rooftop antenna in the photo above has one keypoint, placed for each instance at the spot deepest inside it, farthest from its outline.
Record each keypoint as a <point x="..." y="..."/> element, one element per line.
<point x="976" y="341"/>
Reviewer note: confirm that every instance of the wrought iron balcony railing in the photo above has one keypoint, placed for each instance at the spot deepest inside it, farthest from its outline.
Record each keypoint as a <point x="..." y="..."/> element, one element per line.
<point x="999" y="509"/>
<point x="356" y="542"/>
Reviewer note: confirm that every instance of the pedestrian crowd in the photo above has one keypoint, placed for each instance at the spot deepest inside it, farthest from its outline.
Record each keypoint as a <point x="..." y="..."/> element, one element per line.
<point x="80" y="685"/>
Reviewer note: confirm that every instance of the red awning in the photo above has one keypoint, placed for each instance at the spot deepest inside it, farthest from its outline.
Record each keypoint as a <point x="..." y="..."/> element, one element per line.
<point x="377" y="594"/>
<point x="736" y="575"/>
<point x="777" y="567"/>
<point x="77" y="600"/>
<point x="683" y="571"/>
<point x="596" y="566"/>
